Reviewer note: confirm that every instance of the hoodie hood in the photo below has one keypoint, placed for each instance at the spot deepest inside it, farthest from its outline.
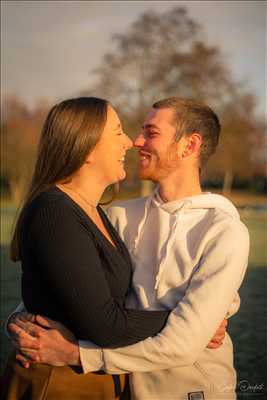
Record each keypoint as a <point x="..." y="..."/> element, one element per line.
<point x="205" y="200"/>
<point x="175" y="211"/>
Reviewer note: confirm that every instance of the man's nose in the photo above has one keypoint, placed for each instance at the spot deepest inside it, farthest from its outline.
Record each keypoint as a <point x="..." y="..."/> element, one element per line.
<point x="139" y="140"/>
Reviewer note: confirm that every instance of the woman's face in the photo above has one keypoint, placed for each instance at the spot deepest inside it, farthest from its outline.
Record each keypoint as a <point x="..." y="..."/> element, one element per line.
<point x="109" y="152"/>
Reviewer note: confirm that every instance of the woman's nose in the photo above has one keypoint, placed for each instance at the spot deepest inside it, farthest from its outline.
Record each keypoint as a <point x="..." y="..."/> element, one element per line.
<point x="128" y="142"/>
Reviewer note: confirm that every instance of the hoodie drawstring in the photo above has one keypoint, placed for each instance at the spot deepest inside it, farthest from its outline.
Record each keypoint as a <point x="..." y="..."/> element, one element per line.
<point x="141" y="227"/>
<point x="169" y="242"/>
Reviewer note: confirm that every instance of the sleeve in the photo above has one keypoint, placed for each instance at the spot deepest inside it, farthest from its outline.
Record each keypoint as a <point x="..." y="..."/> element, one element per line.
<point x="69" y="263"/>
<point x="193" y="322"/>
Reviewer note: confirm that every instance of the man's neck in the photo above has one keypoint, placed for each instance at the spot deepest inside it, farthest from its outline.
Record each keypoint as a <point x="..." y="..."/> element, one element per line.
<point x="176" y="188"/>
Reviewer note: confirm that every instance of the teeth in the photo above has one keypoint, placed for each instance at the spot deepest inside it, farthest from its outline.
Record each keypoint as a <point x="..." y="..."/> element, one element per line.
<point x="143" y="154"/>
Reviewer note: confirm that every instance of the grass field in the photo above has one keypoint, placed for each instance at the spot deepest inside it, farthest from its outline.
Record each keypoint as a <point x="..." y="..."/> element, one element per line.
<point x="247" y="328"/>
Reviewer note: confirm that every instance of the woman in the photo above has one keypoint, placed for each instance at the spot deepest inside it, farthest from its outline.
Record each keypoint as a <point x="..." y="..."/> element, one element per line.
<point x="75" y="267"/>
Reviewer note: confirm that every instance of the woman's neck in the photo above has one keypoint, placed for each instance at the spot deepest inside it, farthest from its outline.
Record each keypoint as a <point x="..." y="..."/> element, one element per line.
<point x="88" y="189"/>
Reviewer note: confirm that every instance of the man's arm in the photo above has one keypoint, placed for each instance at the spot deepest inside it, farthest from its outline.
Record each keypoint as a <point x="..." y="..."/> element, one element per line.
<point x="193" y="322"/>
<point x="56" y="345"/>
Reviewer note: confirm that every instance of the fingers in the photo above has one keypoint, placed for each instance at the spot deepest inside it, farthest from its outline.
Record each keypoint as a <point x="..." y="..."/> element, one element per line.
<point x="24" y="362"/>
<point x="27" y="356"/>
<point x="26" y="317"/>
<point x="220" y="333"/>
<point x="221" y="330"/>
<point x="22" y="316"/>
<point x="214" y="345"/>
<point x="20" y="338"/>
<point x="30" y="355"/>
<point x="17" y="331"/>
<point x="218" y="338"/>
<point x="48" y="323"/>
<point x="224" y="323"/>
<point x="31" y="329"/>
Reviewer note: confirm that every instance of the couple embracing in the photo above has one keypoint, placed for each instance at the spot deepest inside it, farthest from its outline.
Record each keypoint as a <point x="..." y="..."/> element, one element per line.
<point x="133" y="304"/>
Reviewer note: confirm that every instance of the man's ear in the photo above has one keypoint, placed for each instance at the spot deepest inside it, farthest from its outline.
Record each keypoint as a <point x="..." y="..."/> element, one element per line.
<point x="192" y="145"/>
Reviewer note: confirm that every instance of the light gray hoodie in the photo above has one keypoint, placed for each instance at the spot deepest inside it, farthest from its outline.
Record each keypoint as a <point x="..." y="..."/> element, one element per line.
<point x="190" y="256"/>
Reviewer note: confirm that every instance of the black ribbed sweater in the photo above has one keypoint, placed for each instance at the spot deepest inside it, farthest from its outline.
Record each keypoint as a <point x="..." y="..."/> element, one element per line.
<point x="73" y="274"/>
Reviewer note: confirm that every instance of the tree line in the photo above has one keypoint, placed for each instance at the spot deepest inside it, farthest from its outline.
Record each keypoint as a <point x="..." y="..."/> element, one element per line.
<point x="160" y="55"/>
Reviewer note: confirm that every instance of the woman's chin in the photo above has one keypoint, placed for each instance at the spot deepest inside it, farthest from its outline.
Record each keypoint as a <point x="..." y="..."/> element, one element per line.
<point x="120" y="177"/>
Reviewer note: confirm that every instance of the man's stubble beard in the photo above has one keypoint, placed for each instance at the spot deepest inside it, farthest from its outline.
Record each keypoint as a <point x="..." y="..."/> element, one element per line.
<point x="162" y="168"/>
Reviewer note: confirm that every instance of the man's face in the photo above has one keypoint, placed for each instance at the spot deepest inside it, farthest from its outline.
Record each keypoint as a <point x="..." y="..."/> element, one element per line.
<point x="157" y="146"/>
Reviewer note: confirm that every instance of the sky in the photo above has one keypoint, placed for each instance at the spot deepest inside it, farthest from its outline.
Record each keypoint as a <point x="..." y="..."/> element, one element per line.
<point x="49" y="49"/>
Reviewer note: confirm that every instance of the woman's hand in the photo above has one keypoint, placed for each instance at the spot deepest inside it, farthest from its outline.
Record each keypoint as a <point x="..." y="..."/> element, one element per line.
<point x="41" y="340"/>
<point x="217" y="339"/>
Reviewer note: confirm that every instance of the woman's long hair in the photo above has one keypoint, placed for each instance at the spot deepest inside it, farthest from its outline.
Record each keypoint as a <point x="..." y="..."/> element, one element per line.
<point x="70" y="132"/>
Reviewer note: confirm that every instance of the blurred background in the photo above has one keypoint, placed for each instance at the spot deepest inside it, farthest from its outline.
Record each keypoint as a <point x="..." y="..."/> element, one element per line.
<point x="134" y="53"/>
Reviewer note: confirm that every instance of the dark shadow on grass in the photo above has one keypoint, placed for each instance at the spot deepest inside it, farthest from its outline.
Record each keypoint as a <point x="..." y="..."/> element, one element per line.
<point x="248" y="332"/>
<point x="9" y="298"/>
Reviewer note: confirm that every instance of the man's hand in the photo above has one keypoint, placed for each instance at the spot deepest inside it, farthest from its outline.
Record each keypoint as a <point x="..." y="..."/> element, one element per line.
<point x="217" y="339"/>
<point x="40" y="339"/>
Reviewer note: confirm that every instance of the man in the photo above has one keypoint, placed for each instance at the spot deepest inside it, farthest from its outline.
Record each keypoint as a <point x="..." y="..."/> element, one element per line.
<point x="189" y="251"/>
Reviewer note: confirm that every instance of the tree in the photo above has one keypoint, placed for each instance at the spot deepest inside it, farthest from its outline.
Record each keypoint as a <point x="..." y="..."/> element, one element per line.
<point x="20" y="131"/>
<point x="242" y="149"/>
<point x="165" y="54"/>
<point x="161" y="55"/>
